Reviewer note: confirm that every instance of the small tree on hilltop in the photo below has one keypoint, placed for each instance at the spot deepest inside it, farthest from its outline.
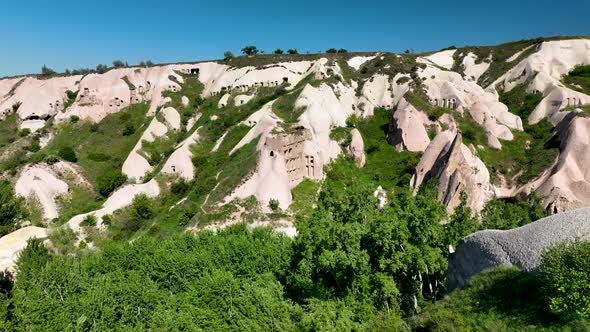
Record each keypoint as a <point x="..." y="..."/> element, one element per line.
<point x="292" y="51"/>
<point x="101" y="69"/>
<point x="331" y="50"/>
<point x="250" y="50"/>
<point x="118" y="64"/>
<point x="342" y="50"/>
<point x="279" y="51"/>
<point x="46" y="71"/>
<point x="228" y="55"/>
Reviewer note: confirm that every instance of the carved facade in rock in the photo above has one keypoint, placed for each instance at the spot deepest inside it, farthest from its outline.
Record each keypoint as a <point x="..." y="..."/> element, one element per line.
<point x="291" y="147"/>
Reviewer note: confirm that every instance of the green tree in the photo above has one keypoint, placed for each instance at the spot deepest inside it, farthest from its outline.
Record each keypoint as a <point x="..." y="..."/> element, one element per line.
<point x="110" y="181"/>
<point x="292" y="51"/>
<point x="250" y="50"/>
<point x="566" y="274"/>
<point x="68" y="154"/>
<point x="141" y="207"/>
<point x="119" y="64"/>
<point x="228" y="55"/>
<point x="331" y="50"/>
<point x="342" y="50"/>
<point x="46" y="71"/>
<point x="508" y="214"/>
<point x="101" y="69"/>
<point x="11" y="208"/>
<point x="279" y="51"/>
<point x="461" y="224"/>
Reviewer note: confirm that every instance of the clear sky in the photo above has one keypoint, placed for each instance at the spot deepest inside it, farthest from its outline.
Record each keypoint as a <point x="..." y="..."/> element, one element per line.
<point x="72" y="34"/>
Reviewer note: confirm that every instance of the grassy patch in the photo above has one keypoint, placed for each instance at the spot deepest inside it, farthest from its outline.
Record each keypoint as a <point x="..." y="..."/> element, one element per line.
<point x="8" y="130"/>
<point x="78" y="200"/>
<point x="515" y="157"/>
<point x="578" y="79"/>
<point x="105" y="140"/>
<point x="386" y="166"/>
<point x="501" y="299"/>
<point x="284" y="107"/>
<point x="420" y="103"/>
<point x="304" y="197"/>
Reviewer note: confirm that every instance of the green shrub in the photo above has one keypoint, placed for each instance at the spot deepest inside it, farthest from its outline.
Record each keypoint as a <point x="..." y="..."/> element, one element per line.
<point x="279" y="51"/>
<point x="62" y="239"/>
<point x="179" y="187"/>
<point x="273" y="204"/>
<point x="74" y="119"/>
<point x="68" y="154"/>
<point x="110" y="181"/>
<point x="129" y="129"/>
<point x="50" y="159"/>
<point x="331" y="50"/>
<point x="89" y="221"/>
<point x="228" y="55"/>
<point x="24" y="132"/>
<point x="12" y="208"/>
<point x="34" y="146"/>
<point x="566" y="275"/>
<point x="142" y="207"/>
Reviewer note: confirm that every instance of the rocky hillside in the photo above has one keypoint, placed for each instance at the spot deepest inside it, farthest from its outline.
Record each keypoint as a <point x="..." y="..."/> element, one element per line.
<point x="249" y="139"/>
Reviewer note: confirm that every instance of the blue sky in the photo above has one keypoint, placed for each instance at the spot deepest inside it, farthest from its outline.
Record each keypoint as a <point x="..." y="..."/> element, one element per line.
<point x="72" y="34"/>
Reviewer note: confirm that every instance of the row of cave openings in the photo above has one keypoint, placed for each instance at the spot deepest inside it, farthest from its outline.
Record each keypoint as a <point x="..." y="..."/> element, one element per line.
<point x="445" y="102"/>
<point x="245" y="87"/>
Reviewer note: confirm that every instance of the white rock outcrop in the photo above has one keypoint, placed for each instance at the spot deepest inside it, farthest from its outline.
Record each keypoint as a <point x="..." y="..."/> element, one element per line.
<point x="407" y="128"/>
<point x="457" y="170"/>
<point x="39" y="182"/>
<point x="12" y="244"/>
<point x="356" y="149"/>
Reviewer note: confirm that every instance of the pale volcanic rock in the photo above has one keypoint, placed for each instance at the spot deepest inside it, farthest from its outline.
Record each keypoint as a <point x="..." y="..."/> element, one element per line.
<point x="543" y="70"/>
<point x="184" y="100"/>
<point x="223" y="100"/>
<point x="566" y="185"/>
<point x="40" y="98"/>
<point x="449" y="89"/>
<point x="119" y="199"/>
<point x="242" y="99"/>
<point x="407" y="128"/>
<point x="13" y="243"/>
<point x="40" y="182"/>
<point x="442" y="59"/>
<point x="136" y="166"/>
<point x="457" y="169"/>
<point x="270" y="181"/>
<point x="103" y="94"/>
<point x="357" y="61"/>
<point x="180" y="161"/>
<point x="472" y="69"/>
<point x="356" y="149"/>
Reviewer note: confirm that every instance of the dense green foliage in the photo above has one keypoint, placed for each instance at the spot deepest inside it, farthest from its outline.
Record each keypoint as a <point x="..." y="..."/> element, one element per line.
<point x="511" y="213"/>
<point x="531" y="151"/>
<point x="508" y="299"/>
<point x="566" y="276"/>
<point x="11" y="208"/>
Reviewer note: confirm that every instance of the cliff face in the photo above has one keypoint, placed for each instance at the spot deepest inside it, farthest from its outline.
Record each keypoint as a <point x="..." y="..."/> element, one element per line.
<point x="457" y="170"/>
<point x="224" y="106"/>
